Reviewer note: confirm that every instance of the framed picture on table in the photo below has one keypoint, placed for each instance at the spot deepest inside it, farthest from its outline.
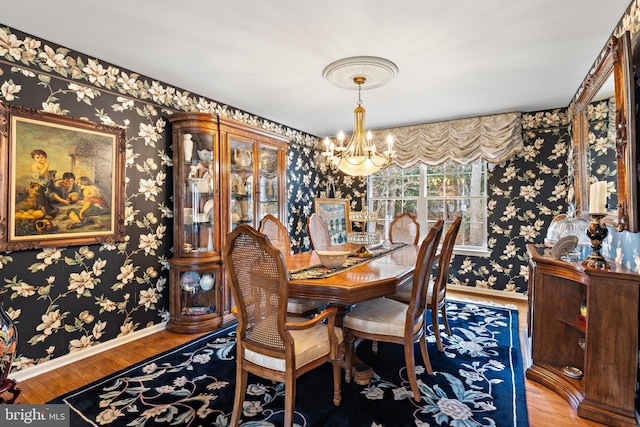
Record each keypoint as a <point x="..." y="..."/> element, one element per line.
<point x="335" y="212"/>
<point x="62" y="180"/>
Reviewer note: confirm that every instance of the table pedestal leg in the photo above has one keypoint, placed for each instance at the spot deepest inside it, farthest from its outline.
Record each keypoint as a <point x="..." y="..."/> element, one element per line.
<point x="361" y="372"/>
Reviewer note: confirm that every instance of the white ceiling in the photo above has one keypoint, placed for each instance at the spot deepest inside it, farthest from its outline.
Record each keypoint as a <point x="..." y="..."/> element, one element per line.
<point x="456" y="59"/>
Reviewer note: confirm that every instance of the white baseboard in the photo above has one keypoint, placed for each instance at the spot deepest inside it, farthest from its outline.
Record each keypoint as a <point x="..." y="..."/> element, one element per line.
<point x="83" y="354"/>
<point x="79" y="355"/>
<point x="487" y="292"/>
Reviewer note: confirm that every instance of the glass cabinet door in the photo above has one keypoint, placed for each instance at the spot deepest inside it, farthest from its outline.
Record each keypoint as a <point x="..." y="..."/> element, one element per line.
<point x="197" y="294"/>
<point x="198" y="202"/>
<point x="268" y="182"/>
<point x="195" y="301"/>
<point x="242" y="183"/>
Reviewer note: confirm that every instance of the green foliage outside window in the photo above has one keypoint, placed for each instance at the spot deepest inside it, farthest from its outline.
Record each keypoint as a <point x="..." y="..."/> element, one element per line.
<point x="431" y="193"/>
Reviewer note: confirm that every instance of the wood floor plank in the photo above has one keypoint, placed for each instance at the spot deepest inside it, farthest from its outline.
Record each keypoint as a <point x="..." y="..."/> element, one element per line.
<point x="545" y="408"/>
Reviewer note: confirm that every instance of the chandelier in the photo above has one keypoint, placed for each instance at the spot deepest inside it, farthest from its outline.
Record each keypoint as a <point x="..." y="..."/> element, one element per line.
<point x="359" y="157"/>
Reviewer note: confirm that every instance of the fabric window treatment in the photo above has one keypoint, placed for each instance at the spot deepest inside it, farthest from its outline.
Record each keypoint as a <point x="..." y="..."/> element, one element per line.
<point x="494" y="138"/>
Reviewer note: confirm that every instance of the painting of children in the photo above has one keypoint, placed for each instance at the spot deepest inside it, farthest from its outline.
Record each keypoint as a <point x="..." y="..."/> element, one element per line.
<point x="92" y="204"/>
<point x="40" y="166"/>
<point x="44" y="210"/>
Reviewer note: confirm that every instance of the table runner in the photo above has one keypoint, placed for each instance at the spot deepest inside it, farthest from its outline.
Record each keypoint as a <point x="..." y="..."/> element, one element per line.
<point x="318" y="271"/>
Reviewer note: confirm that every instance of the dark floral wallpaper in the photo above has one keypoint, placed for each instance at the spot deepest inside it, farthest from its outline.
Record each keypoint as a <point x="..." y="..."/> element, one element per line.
<point x="67" y="299"/>
<point x="602" y="150"/>
<point x="525" y="193"/>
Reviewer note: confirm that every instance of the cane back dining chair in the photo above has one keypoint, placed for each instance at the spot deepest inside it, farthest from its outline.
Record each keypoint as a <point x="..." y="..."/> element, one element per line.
<point x="387" y="320"/>
<point x="279" y="237"/>
<point x="437" y="289"/>
<point x="405" y="228"/>
<point x="318" y="232"/>
<point x="268" y="343"/>
<point x="276" y="232"/>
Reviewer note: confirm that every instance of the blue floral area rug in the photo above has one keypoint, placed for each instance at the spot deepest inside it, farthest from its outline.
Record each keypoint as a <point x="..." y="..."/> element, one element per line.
<point x="477" y="381"/>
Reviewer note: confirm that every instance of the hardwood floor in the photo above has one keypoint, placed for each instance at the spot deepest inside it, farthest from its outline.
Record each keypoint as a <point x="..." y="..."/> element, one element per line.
<point x="545" y="408"/>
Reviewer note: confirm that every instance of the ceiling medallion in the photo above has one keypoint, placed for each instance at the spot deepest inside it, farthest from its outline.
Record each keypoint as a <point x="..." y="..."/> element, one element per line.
<point x="377" y="71"/>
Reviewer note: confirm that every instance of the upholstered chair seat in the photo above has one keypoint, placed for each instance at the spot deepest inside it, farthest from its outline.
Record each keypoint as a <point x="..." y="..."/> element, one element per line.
<point x="380" y="316"/>
<point x="310" y="344"/>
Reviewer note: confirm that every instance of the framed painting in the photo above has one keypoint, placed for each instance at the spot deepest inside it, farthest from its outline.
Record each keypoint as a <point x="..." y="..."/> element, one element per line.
<point x="62" y="180"/>
<point x="335" y="212"/>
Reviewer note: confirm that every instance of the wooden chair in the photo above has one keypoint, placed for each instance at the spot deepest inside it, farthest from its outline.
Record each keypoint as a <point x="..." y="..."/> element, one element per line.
<point x="437" y="289"/>
<point x="405" y="229"/>
<point x="279" y="237"/>
<point x="387" y="320"/>
<point x="318" y="232"/>
<point x="268" y="343"/>
<point x="277" y="233"/>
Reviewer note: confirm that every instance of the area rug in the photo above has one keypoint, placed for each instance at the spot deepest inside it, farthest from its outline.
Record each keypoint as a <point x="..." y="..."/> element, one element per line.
<point x="477" y="381"/>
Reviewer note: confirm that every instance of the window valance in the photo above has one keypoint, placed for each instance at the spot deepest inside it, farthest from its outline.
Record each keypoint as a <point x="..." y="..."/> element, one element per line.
<point x="494" y="138"/>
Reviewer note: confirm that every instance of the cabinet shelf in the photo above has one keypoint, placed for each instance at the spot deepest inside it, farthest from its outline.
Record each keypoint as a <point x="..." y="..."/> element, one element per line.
<point x="198" y="311"/>
<point x="576" y="324"/>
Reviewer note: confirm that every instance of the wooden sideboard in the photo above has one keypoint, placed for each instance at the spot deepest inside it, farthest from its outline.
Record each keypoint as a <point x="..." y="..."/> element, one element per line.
<point x="609" y="362"/>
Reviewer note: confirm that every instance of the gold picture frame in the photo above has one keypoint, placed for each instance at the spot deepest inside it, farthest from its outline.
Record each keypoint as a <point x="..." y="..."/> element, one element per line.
<point x="62" y="180"/>
<point x="335" y="212"/>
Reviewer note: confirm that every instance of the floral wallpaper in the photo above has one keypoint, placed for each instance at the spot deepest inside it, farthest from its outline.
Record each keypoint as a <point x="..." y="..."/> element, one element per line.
<point x="525" y="193"/>
<point x="66" y="299"/>
<point x="602" y="150"/>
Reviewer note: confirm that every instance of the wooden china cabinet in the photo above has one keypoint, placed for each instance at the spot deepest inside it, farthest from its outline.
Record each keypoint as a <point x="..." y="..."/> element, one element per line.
<point x="591" y="360"/>
<point x="224" y="173"/>
<point x="254" y="167"/>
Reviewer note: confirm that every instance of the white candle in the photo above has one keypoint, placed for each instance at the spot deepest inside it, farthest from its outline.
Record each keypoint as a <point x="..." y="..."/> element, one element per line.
<point x="598" y="197"/>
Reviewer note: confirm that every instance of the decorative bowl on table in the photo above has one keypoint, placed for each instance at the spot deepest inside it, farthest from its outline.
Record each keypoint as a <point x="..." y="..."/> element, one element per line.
<point x="333" y="259"/>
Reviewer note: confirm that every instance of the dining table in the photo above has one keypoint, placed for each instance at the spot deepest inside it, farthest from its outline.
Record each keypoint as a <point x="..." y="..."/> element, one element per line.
<point x="369" y="278"/>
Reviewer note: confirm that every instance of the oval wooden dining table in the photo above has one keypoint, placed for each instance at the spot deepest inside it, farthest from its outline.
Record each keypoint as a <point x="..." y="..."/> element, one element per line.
<point x="372" y="278"/>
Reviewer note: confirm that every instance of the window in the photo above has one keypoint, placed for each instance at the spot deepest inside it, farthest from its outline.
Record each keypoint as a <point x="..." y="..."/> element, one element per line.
<point x="432" y="193"/>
